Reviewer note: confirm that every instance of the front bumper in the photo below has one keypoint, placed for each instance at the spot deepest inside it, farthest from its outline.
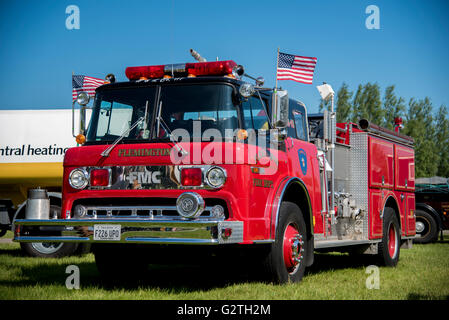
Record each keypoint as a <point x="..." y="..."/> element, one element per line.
<point x="133" y="230"/>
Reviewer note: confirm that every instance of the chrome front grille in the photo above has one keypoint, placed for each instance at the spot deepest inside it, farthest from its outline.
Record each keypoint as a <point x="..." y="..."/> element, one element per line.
<point x="152" y="208"/>
<point x="96" y="212"/>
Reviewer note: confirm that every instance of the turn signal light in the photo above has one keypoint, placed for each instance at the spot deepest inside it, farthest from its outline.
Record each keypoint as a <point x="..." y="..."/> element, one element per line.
<point x="99" y="178"/>
<point x="80" y="139"/>
<point x="191" y="177"/>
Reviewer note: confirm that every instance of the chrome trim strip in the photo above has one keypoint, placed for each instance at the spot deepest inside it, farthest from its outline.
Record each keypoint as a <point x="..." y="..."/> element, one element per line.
<point x="342" y="243"/>
<point x="172" y="241"/>
<point x="49" y="239"/>
<point x="263" y="241"/>
<point x="131" y="222"/>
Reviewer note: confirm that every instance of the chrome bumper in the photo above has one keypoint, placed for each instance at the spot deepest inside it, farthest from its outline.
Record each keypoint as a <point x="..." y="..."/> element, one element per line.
<point x="137" y="230"/>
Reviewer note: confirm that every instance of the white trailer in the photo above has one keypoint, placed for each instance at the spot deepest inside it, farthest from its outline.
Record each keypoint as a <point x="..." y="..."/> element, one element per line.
<point x="32" y="148"/>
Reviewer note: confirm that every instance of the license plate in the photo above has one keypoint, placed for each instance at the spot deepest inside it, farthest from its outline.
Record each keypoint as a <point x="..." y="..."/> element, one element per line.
<point x="107" y="232"/>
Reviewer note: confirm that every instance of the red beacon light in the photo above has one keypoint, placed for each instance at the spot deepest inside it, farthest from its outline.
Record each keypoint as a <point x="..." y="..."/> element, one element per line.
<point x="145" y="72"/>
<point x="215" y="68"/>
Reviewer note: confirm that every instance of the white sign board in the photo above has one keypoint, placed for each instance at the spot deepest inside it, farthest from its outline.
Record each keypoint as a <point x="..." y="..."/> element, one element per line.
<point x="28" y="136"/>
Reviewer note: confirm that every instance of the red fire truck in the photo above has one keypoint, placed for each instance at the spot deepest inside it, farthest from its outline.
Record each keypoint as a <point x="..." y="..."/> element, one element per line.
<point x="191" y="158"/>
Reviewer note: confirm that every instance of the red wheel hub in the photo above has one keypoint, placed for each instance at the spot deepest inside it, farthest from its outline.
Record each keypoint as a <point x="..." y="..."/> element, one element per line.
<point x="392" y="241"/>
<point x="292" y="247"/>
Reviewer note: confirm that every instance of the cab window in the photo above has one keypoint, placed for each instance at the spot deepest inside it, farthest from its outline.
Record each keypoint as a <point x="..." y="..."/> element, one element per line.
<point x="300" y="124"/>
<point x="254" y="114"/>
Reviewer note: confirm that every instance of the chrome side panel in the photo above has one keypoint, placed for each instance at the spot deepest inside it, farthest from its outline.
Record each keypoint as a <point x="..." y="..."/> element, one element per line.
<point x="358" y="184"/>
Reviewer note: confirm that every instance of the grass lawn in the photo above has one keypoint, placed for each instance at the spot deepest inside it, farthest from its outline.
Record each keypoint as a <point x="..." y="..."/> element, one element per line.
<point x="422" y="273"/>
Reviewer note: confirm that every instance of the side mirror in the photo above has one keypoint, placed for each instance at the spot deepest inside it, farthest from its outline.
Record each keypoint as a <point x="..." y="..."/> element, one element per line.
<point x="280" y="109"/>
<point x="82" y="99"/>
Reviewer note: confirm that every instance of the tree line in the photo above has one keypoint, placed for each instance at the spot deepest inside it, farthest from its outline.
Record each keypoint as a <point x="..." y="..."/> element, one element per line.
<point x="429" y="129"/>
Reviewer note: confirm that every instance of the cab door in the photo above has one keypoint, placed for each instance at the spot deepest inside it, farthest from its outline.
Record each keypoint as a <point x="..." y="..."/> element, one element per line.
<point x="304" y="162"/>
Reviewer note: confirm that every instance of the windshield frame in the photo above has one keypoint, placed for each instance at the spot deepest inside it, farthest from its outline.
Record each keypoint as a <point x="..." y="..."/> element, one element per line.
<point x="155" y="104"/>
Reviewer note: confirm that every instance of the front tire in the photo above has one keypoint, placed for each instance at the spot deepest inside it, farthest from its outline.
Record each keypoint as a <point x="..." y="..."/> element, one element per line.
<point x="286" y="260"/>
<point x="389" y="247"/>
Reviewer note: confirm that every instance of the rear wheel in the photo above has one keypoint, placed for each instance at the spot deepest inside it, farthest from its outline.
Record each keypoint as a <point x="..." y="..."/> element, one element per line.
<point x="389" y="247"/>
<point x="426" y="227"/>
<point x="285" y="261"/>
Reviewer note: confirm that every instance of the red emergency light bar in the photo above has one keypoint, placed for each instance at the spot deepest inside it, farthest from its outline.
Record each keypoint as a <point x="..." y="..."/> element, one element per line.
<point x="215" y="68"/>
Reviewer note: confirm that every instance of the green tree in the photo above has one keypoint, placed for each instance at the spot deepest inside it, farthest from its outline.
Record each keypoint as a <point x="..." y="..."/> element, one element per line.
<point x="442" y="141"/>
<point x="358" y="108"/>
<point x="393" y="107"/>
<point x="419" y="124"/>
<point x="324" y="105"/>
<point x="344" y="106"/>
<point x="367" y="104"/>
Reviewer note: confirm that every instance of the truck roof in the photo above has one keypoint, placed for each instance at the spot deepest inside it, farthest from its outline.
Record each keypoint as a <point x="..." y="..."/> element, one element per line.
<point x="186" y="80"/>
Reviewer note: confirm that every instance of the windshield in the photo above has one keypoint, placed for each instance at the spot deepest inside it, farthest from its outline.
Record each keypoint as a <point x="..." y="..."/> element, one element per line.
<point x="115" y="111"/>
<point x="197" y="108"/>
<point x="191" y="110"/>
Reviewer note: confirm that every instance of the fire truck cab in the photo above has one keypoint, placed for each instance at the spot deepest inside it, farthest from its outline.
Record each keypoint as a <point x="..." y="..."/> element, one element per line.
<point x="190" y="155"/>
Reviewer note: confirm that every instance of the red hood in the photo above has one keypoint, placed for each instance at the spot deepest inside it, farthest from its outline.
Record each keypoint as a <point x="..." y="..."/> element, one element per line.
<point x="162" y="153"/>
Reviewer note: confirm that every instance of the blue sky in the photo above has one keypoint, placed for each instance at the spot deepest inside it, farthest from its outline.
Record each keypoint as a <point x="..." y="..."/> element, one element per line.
<point x="38" y="53"/>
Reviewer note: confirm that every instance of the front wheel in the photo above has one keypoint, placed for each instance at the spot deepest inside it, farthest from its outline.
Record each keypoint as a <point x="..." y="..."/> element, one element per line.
<point x="389" y="247"/>
<point x="286" y="260"/>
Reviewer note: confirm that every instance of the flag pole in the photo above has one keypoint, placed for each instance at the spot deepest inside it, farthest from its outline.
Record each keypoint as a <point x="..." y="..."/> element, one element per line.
<point x="73" y="109"/>
<point x="274" y="112"/>
<point x="277" y="65"/>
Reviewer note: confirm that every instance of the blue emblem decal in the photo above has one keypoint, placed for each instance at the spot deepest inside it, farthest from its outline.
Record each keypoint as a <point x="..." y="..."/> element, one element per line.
<point x="303" y="160"/>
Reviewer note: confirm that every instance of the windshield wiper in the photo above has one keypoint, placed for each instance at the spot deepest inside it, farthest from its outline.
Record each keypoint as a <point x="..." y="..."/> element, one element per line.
<point x="106" y="152"/>
<point x="162" y="123"/>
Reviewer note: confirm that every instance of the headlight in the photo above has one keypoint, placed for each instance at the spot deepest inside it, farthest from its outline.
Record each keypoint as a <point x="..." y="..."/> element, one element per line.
<point x="78" y="179"/>
<point x="216" y="177"/>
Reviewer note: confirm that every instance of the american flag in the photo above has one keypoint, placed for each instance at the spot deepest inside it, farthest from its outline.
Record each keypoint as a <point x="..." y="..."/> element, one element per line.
<point x="86" y="84"/>
<point x="296" y="68"/>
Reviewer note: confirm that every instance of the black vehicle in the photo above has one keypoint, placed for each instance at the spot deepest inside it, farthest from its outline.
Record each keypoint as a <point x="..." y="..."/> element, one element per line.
<point x="432" y="208"/>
